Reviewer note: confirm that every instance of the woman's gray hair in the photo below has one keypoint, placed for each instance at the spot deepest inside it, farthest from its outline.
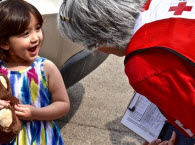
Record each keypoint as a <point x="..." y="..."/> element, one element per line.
<point x="96" y="23"/>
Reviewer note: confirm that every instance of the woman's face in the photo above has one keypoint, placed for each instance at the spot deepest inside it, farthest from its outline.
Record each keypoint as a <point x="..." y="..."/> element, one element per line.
<point x="112" y="50"/>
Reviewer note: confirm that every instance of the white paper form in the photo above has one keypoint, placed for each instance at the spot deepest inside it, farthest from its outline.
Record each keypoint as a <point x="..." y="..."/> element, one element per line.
<point x="144" y="118"/>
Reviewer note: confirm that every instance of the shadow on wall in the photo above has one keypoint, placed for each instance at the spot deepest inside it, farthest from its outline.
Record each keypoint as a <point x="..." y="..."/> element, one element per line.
<point x="75" y="94"/>
<point x="119" y="134"/>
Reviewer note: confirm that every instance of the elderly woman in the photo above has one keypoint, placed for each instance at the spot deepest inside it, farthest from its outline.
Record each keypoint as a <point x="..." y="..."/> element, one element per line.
<point x="157" y="44"/>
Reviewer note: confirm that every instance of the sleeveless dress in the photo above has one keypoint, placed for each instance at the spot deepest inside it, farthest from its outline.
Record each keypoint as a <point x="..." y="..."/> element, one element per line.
<point x="30" y="87"/>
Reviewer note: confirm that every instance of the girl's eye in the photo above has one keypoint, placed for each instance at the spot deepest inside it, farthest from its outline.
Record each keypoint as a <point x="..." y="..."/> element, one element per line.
<point x="25" y="33"/>
<point x="38" y="28"/>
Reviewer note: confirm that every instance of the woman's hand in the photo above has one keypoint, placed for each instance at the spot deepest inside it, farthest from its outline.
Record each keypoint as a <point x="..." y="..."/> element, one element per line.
<point x="172" y="141"/>
<point x="154" y="142"/>
<point x="25" y="112"/>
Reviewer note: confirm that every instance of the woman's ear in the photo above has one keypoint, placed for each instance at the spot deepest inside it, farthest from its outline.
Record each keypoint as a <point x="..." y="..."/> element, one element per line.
<point x="4" y="46"/>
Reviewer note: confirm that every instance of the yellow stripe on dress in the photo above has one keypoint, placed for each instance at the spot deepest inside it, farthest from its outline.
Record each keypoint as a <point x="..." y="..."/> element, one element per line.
<point x="34" y="90"/>
<point x="23" y="137"/>
<point x="43" y="140"/>
<point x="44" y="81"/>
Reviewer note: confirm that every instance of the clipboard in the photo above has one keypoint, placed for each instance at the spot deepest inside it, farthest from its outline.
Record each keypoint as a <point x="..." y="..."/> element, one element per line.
<point x="143" y="117"/>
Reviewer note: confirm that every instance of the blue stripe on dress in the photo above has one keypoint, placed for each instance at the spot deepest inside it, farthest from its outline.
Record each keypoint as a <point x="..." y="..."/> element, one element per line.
<point x="26" y="96"/>
<point x="12" y="81"/>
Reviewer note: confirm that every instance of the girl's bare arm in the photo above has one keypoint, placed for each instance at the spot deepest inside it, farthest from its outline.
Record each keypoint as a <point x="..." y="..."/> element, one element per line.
<point x="60" y="102"/>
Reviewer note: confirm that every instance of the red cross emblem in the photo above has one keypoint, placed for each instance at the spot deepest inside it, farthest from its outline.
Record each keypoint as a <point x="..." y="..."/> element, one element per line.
<point x="180" y="8"/>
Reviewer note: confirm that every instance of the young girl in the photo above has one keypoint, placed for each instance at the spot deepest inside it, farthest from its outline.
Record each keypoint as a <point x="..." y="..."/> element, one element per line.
<point x="35" y="81"/>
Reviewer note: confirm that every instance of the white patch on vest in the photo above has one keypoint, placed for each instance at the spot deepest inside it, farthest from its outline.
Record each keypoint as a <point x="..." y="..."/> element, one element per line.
<point x="186" y="130"/>
<point x="160" y="9"/>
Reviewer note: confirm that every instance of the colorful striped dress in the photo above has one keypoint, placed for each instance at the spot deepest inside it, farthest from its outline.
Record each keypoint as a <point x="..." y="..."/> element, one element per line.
<point x="30" y="87"/>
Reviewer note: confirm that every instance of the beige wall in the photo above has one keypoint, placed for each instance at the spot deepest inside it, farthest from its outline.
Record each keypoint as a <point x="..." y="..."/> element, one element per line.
<point x="55" y="47"/>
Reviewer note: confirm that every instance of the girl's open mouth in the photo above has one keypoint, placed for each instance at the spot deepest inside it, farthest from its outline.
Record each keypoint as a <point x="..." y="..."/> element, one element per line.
<point x="32" y="49"/>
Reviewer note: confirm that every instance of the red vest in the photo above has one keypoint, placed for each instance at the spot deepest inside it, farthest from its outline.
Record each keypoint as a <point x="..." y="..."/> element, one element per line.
<point x="160" y="61"/>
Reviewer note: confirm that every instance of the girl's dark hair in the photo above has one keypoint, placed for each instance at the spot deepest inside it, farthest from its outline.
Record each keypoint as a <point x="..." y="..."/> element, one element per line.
<point x="14" y="19"/>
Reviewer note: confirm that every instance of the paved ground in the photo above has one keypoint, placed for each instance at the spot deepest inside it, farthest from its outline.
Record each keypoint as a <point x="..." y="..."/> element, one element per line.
<point x="97" y="106"/>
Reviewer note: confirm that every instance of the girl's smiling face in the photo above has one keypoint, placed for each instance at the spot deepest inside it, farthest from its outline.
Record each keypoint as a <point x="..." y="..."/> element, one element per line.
<point x="24" y="48"/>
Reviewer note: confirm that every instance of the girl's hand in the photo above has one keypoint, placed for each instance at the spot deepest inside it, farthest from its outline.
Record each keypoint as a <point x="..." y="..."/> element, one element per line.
<point x="25" y="112"/>
<point x="4" y="103"/>
<point x="172" y="141"/>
